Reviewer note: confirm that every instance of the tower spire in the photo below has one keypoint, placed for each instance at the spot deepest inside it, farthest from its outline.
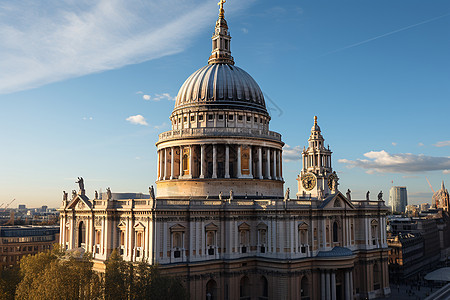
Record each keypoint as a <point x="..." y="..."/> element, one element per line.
<point x="221" y="53"/>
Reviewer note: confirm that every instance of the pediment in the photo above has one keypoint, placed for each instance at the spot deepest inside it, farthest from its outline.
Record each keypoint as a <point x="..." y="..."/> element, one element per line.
<point x="122" y="224"/>
<point x="244" y="226"/>
<point x="337" y="201"/>
<point x="139" y="226"/>
<point x="80" y="202"/>
<point x="211" y="227"/>
<point x="177" y="227"/>
<point x="261" y="226"/>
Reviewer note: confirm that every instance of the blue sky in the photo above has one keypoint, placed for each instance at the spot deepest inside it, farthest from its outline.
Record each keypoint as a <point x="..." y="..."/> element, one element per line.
<point x="75" y="76"/>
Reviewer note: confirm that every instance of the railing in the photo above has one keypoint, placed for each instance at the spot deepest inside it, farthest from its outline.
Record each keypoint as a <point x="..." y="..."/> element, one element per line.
<point x="218" y="132"/>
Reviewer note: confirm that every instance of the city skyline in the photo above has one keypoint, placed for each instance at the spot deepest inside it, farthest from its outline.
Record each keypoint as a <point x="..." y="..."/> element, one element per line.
<point x="91" y="98"/>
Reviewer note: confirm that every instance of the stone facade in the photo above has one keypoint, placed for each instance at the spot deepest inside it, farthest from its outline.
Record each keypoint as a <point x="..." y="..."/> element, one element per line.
<point x="221" y="219"/>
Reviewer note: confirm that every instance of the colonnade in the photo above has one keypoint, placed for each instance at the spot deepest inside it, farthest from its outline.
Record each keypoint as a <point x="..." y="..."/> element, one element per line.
<point x="219" y="161"/>
<point x="328" y="284"/>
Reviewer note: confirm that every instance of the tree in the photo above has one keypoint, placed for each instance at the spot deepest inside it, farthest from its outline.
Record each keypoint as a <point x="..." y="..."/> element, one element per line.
<point x="58" y="275"/>
<point x="9" y="278"/>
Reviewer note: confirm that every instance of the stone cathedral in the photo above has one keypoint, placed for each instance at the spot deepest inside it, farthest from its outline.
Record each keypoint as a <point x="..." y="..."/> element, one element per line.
<point x="220" y="218"/>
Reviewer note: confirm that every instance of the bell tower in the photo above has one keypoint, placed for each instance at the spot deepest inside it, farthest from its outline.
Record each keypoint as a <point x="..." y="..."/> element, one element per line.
<point x="317" y="179"/>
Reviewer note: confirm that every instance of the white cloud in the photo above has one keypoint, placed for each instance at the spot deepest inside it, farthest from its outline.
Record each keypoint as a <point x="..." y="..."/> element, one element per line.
<point x="138" y="120"/>
<point x="244" y="30"/>
<point x="446" y="171"/>
<point x="421" y="144"/>
<point x="384" y="162"/>
<point x="146" y="97"/>
<point x="163" y="96"/>
<point x="442" y="144"/>
<point x="394" y="144"/>
<point x="160" y="126"/>
<point x="139" y="92"/>
<point x="292" y="153"/>
<point x="53" y="40"/>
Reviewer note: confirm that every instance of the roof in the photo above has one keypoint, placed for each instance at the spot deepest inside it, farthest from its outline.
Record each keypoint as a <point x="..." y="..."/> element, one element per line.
<point x="221" y="85"/>
<point x="442" y="274"/>
<point x="336" y="252"/>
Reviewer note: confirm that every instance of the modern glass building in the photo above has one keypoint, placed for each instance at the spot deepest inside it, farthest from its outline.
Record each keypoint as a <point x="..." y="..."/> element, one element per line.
<point x="398" y="198"/>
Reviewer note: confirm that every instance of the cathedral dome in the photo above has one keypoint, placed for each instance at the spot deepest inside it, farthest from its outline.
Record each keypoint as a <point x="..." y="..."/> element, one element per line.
<point x="221" y="86"/>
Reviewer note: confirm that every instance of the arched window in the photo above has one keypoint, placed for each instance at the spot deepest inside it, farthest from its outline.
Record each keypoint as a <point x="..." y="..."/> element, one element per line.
<point x="244" y="288"/>
<point x="374" y="231"/>
<point x="304" y="288"/>
<point x="81" y="235"/>
<point x="211" y="290"/>
<point x="335" y="233"/>
<point x="264" y="288"/>
<point x="303" y="237"/>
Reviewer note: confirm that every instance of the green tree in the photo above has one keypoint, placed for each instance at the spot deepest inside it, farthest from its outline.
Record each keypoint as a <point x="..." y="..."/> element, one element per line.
<point x="58" y="275"/>
<point x="9" y="279"/>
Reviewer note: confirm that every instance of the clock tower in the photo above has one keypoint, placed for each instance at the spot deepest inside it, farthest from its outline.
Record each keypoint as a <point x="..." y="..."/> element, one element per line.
<point x="317" y="179"/>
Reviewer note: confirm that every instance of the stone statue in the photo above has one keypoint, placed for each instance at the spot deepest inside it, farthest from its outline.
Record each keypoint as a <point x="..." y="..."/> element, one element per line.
<point x="65" y="196"/>
<point x="96" y="195"/>
<point x="286" y="195"/>
<point x="220" y="196"/>
<point x="108" y="193"/>
<point x="207" y="195"/>
<point x="231" y="195"/>
<point x="151" y="191"/>
<point x="80" y="183"/>
<point x="74" y="194"/>
<point x="380" y="196"/>
<point x="320" y="193"/>
<point x="367" y="195"/>
<point x="349" y="195"/>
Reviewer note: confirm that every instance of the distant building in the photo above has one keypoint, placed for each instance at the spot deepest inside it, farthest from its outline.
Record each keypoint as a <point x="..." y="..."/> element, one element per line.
<point x="18" y="241"/>
<point x="424" y="207"/>
<point x="22" y="207"/>
<point x="441" y="198"/>
<point x="412" y="209"/>
<point x="44" y="208"/>
<point x="398" y="198"/>
<point x="406" y="255"/>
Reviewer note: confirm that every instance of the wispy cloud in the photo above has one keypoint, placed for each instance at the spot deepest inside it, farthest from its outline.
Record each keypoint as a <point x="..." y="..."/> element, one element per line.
<point x="160" y="126"/>
<point x="387" y="34"/>
<point x="421" y="144"/>
<point x="292" y="153"/>
<point x="157" y="97"/>
<point x="446" y="171"/>
<point x="49" y="41"/>
<point x="138" y="120"/>
<point x="394" y="144"/>
<point x="442" y="144"/>
<point x="384" y="162"/>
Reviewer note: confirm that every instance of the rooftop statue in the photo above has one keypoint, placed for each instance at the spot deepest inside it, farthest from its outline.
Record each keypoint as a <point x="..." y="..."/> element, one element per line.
<point x="80" y="183"/>
<point x="349" y="195"/>
<point x="380" y="196"/>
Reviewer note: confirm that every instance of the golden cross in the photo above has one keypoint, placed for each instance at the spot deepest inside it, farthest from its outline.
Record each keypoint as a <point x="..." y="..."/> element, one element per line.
<point x="221" y="2"/>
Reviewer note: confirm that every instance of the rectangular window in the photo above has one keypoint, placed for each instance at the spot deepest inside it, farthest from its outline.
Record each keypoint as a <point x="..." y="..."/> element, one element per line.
<point x="230" y="117"/>
<point x="185" y="119"/>
<point x="220" y="117"/>
<point x="248" y="119"/>
<point x="256" y="120"/>
<point x="240" y="118"/>
<point x="210" y="117"/>
<point x="200" y="117"/>
<point x="192" y="118"/>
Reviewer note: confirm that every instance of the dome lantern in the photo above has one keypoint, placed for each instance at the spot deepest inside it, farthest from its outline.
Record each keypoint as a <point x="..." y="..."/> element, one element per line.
<point x="221" y="53"/>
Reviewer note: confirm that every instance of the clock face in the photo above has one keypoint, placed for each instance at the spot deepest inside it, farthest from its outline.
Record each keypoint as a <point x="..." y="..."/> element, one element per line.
<point x="331" y="179"/>
<point x="309" y="181"/>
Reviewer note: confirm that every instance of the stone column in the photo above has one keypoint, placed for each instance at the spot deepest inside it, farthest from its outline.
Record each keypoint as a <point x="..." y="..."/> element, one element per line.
<point x="239" y="174"/>
<point x="274" y="165"/>
<point x="347" y="285"/>
<point x="279" y="165"/>
<point x="227" y="161"/>
<point x="181" y="162"/>
<point x="202" y="161"/>
<point x="166" y="167"/>
<point x="191" y="160"/>
<point x="214" y="174"/>
<point x="327" y="285"/>
<point x="333" y="286"/>
<point x="172" y="152"/>
<point x="250" y="165"/>
<point x="268" y="164"/>
<point x="322" y="285"/>
<point x="260" y="163"/>
<point x="161" y="165"/>
<point x="351" y="284"/>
